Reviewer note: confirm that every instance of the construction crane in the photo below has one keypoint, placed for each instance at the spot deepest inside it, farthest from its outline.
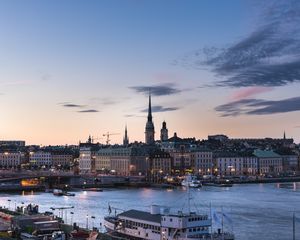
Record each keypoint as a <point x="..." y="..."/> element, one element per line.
<point x="107" y="135"/>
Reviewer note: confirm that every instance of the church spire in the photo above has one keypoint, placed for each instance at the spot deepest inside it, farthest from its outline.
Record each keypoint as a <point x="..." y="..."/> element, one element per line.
<point x="149" y="130"/>
<point x="125" y="139"/>
<point x="149" y="109"/>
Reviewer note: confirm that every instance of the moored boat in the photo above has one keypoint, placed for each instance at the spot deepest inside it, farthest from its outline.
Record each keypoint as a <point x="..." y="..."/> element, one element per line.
<point x="154" y="225"/>
<point x="191" y="181"/>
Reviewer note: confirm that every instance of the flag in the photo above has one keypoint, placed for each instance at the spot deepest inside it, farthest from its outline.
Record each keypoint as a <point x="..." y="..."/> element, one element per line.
<point x="109" y="209"/>
<point x="227" y="217"/>
<point x="215" y="216"/>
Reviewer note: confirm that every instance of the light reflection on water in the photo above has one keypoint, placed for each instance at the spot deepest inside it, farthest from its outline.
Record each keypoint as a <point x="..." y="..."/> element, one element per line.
<point x="258" y="211"/>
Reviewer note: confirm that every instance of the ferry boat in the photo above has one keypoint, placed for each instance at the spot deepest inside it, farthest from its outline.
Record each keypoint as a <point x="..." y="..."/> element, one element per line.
<point x="141" y="225"/>
<point x="191" y="181"/>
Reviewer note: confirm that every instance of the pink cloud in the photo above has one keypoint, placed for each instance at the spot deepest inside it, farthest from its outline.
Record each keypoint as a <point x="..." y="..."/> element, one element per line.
<point x="249" y="92"/>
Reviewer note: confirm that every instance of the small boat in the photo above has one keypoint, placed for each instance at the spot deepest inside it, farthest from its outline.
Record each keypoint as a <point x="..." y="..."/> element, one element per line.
<point x="94" y="189"/>
<point x="57" y="192"/>
<point x="68" y="194"/>
<point x="218" y="184"/>
<point x="191" y="181"/>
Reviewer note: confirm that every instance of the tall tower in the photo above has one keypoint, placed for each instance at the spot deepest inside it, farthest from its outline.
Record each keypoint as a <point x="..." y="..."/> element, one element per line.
<point x="125" y="139"/>
<point x="164" y="132"/>
<point x="149" y="130"/>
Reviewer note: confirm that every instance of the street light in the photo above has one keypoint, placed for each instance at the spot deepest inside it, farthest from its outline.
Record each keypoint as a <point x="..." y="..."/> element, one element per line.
<point x="87" y="221"/>
<point x="71" y="217"/>
<point x="93" y="217"/>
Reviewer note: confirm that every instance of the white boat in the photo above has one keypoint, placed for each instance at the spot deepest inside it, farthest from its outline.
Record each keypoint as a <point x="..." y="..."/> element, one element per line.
<point x="153" y="225"/>
<point x="57" y="192"/>
<point x="191" y="181"/>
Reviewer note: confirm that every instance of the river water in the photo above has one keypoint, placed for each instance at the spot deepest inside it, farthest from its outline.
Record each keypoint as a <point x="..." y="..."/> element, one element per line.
<point x="257" y="211"/>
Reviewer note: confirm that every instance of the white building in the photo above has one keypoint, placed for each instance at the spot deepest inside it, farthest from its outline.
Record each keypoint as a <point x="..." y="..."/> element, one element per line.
<point x="229" y="166"/>
<point x="85" y="159"/>
<point x="11" y="159"/>
<point x="40" y="159"/>
<point x="250" y="166"/>
<point x="268" y="162"/>
<point x="202" y="161"/>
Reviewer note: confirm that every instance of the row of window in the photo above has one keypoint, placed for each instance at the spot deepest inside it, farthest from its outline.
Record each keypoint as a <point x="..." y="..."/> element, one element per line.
<point x="198" y="218"/>
<point x="198" y="229"/>
<point x="132" y="224"/>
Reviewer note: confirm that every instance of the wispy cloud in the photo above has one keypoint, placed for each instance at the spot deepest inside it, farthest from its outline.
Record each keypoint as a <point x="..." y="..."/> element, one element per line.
<point x="157" y="90"/>
<point x="72" y="105"/>
<point x="133" y="115"/>
<point x="248" y="92"/>
<point x="259" y="107"/>
<point x="269" y="56"/>
<point x="78" y="106"/>
<point x="158" y="108"/>
<point x="88" y="111"/>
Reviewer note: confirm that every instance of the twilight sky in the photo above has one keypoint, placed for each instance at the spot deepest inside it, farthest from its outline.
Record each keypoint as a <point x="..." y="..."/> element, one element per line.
<point x="72" y="68"/>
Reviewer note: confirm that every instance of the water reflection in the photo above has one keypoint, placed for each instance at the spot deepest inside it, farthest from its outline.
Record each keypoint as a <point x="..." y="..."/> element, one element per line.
<point x="292" y="186"/>
<point x="262" y="211"/>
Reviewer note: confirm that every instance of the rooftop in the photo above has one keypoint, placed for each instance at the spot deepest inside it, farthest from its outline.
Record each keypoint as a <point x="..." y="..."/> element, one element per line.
<point x="265" y="154"/>
<point x="145" y="216"/>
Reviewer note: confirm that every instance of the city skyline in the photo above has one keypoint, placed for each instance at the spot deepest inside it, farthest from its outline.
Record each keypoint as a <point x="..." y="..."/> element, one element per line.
<point x="71" y="69"/>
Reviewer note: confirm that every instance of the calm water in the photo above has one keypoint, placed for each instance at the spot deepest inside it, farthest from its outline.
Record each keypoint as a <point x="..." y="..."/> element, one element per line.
<point x="262" y="211"/>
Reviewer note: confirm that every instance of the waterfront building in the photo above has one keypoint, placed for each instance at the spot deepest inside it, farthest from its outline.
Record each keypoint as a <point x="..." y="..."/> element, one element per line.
<point x="229" y="163"/>
<point x="182" y="160"/>
<point x="125" y="139"/>
<point x="289" y="162"/>
<point x="103" y="160"/>
<point x="229" y="166"/>
<point x="250" y="166"/>
<point x="11" y="159"/>
<point x="164" y="132"/>
<point x="268" y="162"/>
<point x="87" y="153"/>
<point x="202" y="161"/>
<point x="85" y="159"/>
<point x="40" y="159"/>
<point x="149" y="129"/>
<point x="159" y="164"/>
<point x="123" y="161"/>
<point x="62" y="158"/>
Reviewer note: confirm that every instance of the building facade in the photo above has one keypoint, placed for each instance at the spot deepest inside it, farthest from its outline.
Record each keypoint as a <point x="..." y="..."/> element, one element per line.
<point x="62" y="159"/>
<point x="40" y="159"/>
<point x="202" y="161"/>
<point x="85" y="159"/>
<point x="11" y="159"/>
<point x="269" y="162"/>
<point x="159" y="164"/>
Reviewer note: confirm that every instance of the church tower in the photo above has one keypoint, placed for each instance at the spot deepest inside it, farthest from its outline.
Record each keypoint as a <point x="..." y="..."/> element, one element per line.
<point x="125" y="139"/>
<point x="149" y="130"/>
<point x="164" y="132"/>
